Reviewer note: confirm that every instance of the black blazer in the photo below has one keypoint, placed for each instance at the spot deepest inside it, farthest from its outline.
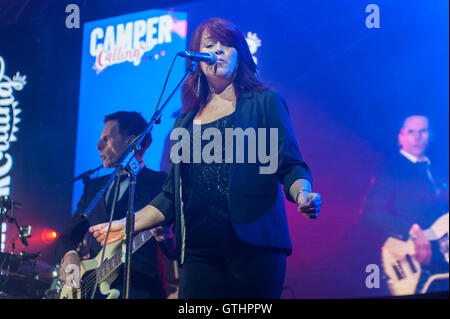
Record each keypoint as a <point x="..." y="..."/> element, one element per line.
<point x="148" y="185"/>
<point x="256" y="202"/>
<point x="401" y="195"/>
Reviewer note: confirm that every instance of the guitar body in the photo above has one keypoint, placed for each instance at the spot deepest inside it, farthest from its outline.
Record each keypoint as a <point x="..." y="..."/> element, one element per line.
<point x="88" y="269"/>
<point x="108" y="273"/>
<point x="400" y="266"/>
<point x="406" y="275"/>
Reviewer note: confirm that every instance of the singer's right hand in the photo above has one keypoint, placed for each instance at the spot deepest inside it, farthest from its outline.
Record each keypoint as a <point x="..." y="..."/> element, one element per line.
<point x="115" y="234"/>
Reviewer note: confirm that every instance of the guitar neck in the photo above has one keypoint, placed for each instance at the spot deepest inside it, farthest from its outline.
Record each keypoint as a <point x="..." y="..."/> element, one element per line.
<point x="140" y="239"/>
<point x="110" y="265"/>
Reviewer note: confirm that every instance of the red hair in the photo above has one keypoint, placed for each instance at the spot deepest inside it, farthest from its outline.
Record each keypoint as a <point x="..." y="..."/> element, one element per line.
<point x="194" y="93"/>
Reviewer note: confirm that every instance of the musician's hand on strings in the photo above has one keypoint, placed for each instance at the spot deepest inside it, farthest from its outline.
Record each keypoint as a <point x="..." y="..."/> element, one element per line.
<point x="115" y="234"/>
<point x="421" y="244"/>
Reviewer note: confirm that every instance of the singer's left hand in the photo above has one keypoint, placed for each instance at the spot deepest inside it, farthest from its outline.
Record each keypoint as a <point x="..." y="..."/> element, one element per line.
<point x="161" y="234"/>
<point x="309" y="204"/>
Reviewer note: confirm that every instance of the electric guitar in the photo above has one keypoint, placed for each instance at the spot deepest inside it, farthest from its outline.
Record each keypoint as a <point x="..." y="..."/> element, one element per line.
<point x="405" y="274"/>
<point x="88" y="272"/>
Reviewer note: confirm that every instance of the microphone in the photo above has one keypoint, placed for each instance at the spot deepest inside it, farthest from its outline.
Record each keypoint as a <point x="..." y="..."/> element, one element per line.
<point x="210" y="57"/>
<point x="86" y="174"/>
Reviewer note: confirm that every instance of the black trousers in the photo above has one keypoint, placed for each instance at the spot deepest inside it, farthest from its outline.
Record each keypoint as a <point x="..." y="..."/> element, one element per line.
<point x="240" y="271"/>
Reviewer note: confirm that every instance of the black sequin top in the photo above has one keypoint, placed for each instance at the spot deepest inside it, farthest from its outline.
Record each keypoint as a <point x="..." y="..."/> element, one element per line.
<point x="205" y="190"/>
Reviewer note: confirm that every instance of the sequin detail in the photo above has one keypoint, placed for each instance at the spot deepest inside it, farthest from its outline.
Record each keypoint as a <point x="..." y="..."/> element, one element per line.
<point x="205" y="194"/>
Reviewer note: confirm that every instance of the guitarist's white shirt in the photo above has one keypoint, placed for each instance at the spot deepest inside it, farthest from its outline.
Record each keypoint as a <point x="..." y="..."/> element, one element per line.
<point x="413" y="158"/>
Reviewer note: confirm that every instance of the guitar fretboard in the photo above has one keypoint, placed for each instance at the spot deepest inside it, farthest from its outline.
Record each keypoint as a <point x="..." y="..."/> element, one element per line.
<point x="110" y="265"/>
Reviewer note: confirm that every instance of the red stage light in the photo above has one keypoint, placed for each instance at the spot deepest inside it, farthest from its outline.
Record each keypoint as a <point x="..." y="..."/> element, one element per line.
<point x="48" y="235"/>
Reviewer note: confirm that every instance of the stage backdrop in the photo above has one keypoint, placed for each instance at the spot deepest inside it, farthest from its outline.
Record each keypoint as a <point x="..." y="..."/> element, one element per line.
<point x="347" y="87"/>
<point x="125" y="61"/>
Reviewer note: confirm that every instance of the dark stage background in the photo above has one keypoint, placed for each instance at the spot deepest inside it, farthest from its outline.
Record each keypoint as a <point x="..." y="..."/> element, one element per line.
<point x="348" y="88"/>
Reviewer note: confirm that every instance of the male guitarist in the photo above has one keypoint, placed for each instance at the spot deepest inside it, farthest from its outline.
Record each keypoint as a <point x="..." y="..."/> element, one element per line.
<point x="405" y="198"/>
<point x="120" y="129"/>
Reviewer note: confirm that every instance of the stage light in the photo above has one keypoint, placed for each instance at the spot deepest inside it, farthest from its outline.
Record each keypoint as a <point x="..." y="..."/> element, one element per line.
<point x="48" y="235"/>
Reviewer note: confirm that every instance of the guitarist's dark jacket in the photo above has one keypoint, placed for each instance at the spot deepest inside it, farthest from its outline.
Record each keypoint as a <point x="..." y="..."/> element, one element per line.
<point x="145" y="261"/>
<point x="402" y="194"/>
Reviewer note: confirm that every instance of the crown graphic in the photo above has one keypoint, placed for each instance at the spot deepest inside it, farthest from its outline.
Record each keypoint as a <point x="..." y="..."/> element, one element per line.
<point x="18" y="82"/>
<point x="253" y="41"/>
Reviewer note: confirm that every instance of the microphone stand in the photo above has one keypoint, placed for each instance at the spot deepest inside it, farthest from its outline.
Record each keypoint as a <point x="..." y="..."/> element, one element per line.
<point x="130" y="165"/>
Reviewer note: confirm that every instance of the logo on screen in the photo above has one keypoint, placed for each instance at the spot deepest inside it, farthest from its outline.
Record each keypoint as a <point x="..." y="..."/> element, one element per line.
<point x="128" y="42"/>
<point x="8" y="122"/>
<point x="8" y="127"/>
